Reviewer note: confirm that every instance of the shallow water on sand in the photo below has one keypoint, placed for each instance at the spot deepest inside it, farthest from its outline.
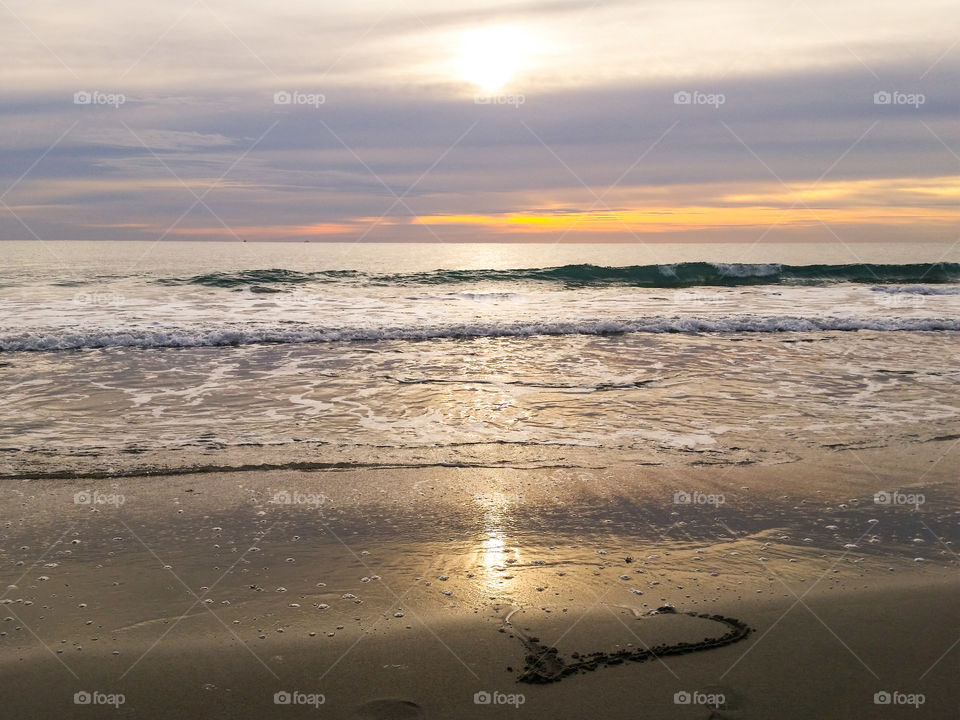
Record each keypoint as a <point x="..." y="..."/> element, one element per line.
<point x="674" y="399"/>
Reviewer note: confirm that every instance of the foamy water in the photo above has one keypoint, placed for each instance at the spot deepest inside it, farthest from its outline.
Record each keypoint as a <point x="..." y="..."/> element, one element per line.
<point x="120" y="357"/>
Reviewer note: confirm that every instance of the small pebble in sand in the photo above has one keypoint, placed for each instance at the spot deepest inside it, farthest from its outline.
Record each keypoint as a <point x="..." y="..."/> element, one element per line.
<point x="294" y="605"/>
<point x="448" y="593"/>
<point x="624" y="577"/>
<point x="322" y="606"/>
<point x="348" y="596"/>
<point x="398" y="614"/>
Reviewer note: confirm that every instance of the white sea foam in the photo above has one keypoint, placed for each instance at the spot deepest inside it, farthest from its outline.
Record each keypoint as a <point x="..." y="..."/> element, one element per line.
<point x="174" y="337"/>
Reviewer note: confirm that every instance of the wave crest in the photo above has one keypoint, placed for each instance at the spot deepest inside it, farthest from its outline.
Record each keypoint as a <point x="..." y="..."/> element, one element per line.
<point x="654" y="276"/>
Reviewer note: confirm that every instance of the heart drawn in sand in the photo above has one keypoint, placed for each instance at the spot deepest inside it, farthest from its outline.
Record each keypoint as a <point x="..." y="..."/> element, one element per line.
<point x="544" y="664"/>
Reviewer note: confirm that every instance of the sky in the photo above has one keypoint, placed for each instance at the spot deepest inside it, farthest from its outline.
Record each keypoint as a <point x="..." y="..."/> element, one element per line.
<point x="428" y="121"/>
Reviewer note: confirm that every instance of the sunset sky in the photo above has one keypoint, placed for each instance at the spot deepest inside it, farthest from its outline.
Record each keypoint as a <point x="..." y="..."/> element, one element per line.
<point x="418" y="120"/>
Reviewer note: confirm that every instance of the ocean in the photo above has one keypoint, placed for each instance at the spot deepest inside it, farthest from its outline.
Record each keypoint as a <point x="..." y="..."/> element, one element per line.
<point x="135" y="358"/>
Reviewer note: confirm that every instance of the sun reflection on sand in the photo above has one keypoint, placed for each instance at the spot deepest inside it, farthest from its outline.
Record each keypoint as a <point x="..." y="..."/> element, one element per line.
<point x="494" y="557"/>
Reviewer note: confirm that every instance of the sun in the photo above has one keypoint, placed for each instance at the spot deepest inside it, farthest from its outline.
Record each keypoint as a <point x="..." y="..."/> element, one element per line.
<point x="490" y="57"/>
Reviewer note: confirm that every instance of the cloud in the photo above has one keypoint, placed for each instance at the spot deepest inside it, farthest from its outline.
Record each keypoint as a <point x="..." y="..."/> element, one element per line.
<point x="155" y="140"/>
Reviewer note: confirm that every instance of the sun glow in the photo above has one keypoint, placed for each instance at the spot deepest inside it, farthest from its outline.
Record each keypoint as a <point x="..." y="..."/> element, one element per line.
<point x="490" y="57"/>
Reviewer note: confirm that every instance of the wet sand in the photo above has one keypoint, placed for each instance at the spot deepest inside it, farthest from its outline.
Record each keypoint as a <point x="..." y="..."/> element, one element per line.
<point x="404" y="593"/>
